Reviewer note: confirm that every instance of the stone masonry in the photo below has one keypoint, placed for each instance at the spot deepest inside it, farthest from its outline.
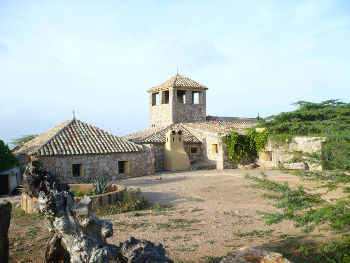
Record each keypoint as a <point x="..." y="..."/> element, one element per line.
<point x="94" y="165"/>
<point x="275" y="156"/>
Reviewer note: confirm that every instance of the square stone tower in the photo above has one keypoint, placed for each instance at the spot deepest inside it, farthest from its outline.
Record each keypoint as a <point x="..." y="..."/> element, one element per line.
<point x="177" y="100"/>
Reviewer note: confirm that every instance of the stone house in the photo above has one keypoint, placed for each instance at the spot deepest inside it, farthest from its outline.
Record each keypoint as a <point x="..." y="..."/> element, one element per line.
<point x="179" y="104"/>
<point x="78" y="152"/>
<point x="181" y="136"/>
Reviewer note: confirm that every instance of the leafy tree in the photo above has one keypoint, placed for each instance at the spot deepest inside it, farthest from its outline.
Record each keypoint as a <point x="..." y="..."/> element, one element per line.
<point x="7" y="159"/>
<point x="308" y="208"/>
<point x="22" y="140"/>
<point x="329" y="119"/>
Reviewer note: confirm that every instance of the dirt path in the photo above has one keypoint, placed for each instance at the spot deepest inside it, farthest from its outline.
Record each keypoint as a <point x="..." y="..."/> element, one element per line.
<point x="210" y="214"/>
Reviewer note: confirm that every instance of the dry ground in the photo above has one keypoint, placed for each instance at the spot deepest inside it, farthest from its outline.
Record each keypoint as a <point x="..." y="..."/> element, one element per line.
<point x="209" y="214"/>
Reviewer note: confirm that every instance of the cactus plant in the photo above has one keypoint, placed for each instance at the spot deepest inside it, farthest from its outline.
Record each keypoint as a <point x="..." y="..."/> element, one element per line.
<point x="99" y="185"/>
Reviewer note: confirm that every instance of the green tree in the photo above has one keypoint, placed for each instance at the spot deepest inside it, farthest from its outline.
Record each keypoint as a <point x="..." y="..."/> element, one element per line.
<point x="7" y="159"/>
<point x="22" y="140"/>
<point x="308" y="208"/>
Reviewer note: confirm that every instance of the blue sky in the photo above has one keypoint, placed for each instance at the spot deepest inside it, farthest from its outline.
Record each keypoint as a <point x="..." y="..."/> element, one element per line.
<point x="99" y="58"/>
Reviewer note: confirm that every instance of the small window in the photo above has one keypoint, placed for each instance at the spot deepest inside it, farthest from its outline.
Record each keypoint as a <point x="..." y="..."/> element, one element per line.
<point x="123" y="167"/>
<point x="77" y="170"/>
<point x="194" y="150"/>
<point x="267" y="156"/>
<point x="181" y="97"/>
<point x="214" y="148"/>
<point x="195" y="97"/>
<point x="165" y="97"/>
<point x="155" y="99"/>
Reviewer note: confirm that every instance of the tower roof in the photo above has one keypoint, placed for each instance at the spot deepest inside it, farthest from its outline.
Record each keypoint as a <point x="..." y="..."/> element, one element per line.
<point x="74" y="137"/>
<point x="178" y="81"/>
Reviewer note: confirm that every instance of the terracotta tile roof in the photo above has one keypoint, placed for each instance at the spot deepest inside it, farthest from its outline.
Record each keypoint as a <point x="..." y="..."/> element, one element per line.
<point x="223" y="125"/>
<point x="76" y="137"/>
<point x="179" y="81"/>
<point x="158" y="135"/>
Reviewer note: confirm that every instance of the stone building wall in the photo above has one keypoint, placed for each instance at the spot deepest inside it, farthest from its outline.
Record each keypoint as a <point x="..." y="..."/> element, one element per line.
<point x="208" y="139"/>
<point x="189" y="113"/>
<point x="160" y="115"/>
<point x="140" y="163"/>
<point x="275" y="156"/>
<point x="158" y="151"/>
<point x="171" y="111"/>
<point x="187" y="148"/>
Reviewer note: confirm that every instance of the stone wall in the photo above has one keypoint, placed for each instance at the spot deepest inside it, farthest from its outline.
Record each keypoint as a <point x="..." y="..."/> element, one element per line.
<point x="274" y="156"/>
<point x="140" y="163"/>
<point x="208" y="139"/>
<point x="175" y="112"/>
<point x="158" y="150"/>
<point x="160" y="115"/>
<point x="187" y="148"/>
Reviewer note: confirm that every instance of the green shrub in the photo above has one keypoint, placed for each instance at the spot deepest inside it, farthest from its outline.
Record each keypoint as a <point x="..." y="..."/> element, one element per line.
<point x="241" y="146"/>
<point x="7" y="159"/>
<point x="100" y="185"/>
<point x="132" y="201"/>
<point x="78" y="193"/>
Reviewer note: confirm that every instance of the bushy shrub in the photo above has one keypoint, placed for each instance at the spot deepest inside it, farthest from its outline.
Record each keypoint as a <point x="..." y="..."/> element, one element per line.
<point x="7" y="159"/>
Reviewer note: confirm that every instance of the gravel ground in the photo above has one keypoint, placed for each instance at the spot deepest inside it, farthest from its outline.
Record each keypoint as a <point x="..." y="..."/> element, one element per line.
<point x="212" y="213"/>
<point x="209" y="214"/>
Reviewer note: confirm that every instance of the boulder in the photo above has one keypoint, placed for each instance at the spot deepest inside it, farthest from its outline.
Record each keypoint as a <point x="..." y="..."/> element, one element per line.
<point x="253" y="255"/>
<point x="5" y="218"/>
<point x="142" y="251"/>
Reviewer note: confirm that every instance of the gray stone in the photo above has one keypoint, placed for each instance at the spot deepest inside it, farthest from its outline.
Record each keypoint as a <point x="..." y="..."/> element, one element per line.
<point x="142" y="251"/>
<point x="253" y="255"/>
<point x="5" y="218"/>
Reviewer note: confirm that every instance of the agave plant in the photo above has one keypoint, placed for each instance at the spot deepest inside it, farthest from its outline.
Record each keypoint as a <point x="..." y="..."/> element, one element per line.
<point x="99" y="185"/>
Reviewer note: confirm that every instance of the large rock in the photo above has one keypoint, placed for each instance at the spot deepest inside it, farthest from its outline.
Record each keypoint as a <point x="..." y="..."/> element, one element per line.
<point x="253" y="255"/>
<point x="37" y="179"/>
<point x="142" y="251"/>
<point x="5" y="218"/>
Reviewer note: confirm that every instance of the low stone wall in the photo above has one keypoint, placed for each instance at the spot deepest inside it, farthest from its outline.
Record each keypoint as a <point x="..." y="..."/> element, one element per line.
<point x="97" y="201"/>
<point x="275" y="156"/>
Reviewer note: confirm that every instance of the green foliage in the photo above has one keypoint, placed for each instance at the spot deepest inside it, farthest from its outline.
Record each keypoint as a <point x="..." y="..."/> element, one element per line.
<point x="100" y="185"/>
<point x="77" y="193"/>
<point x="22" y="140"/>
<point x="336" y="152"/>
<point x="308" y="208"/>
<point x="329" y="119"/>
<point x="7" y="159"/>
<point x="132" y="201"/>
<point x="310" y="118"/>
<point x="245" y="146"/>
